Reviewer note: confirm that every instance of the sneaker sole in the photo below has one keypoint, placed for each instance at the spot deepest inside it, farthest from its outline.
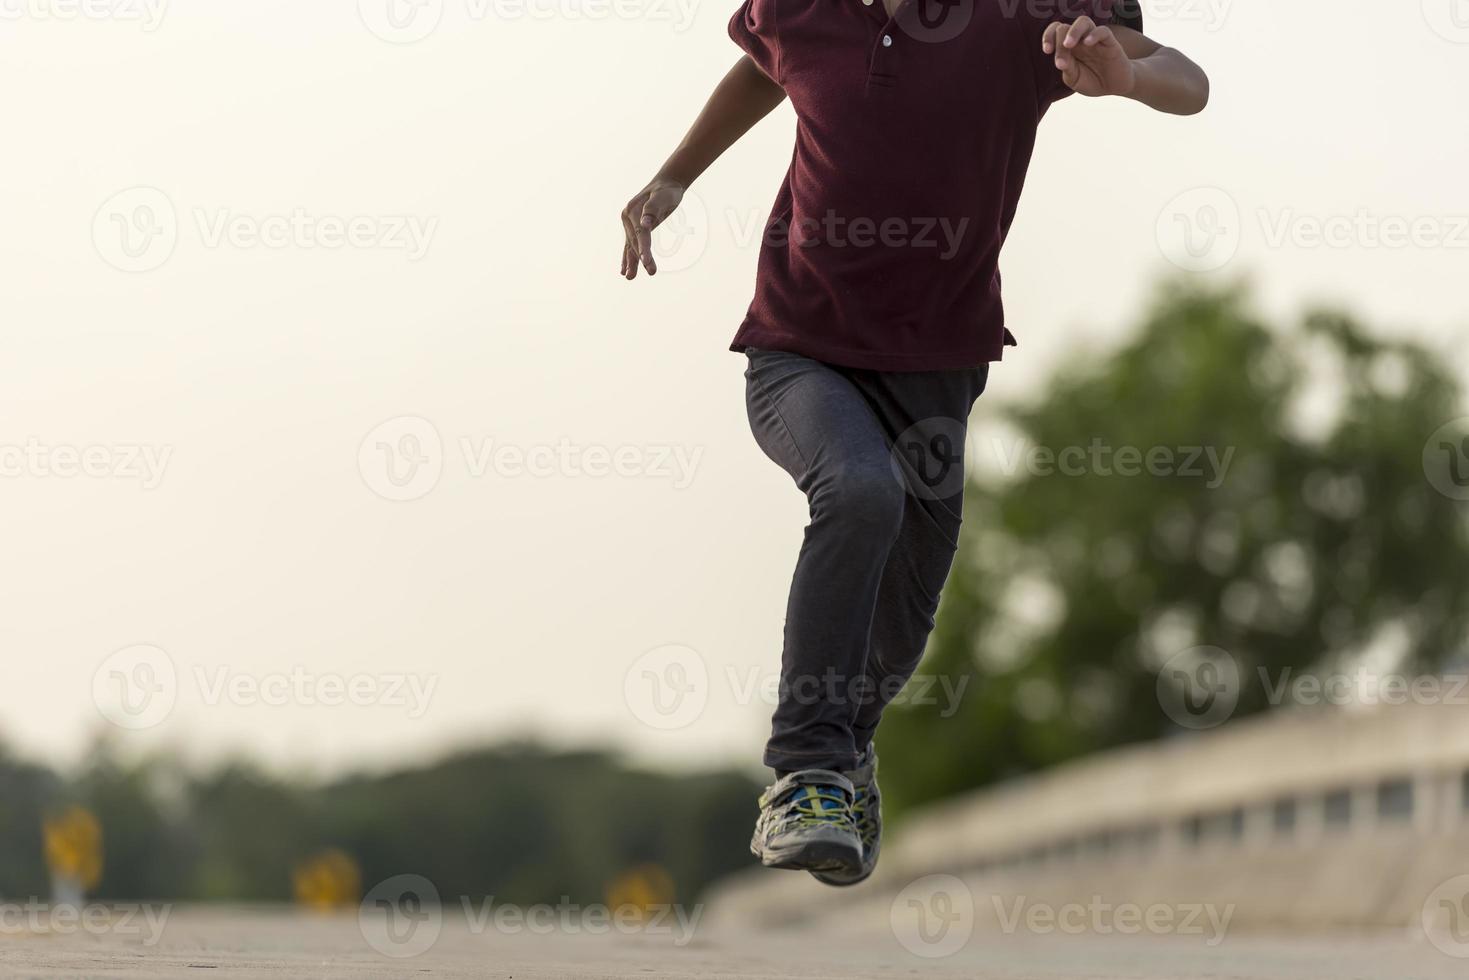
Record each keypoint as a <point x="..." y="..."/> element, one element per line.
<point x="826" y="856"/>
<point x="842" y="879"/>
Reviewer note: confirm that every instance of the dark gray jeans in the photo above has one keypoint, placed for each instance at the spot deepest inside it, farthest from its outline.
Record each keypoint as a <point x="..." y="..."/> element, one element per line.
<point x="880" y="458"/>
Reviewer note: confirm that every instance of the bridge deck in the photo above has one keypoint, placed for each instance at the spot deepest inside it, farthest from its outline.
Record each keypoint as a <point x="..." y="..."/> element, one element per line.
<point x="270" y="943"/>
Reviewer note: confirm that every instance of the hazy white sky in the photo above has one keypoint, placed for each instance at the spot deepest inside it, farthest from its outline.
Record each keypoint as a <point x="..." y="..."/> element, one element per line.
<point x="239" y="238"/>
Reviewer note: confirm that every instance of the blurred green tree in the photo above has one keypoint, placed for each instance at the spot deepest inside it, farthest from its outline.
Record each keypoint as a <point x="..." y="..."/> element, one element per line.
<point x="518" y="822"/>
<point x="25" y="792"/>
<point x="1310" y="538"/>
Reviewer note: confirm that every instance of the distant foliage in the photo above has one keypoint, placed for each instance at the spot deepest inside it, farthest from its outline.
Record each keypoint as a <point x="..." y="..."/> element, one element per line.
<point x="519" y="823"/>
<point x="1323" y="541"/>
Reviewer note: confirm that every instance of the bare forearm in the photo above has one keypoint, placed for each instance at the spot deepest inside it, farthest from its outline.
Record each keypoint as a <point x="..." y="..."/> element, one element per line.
<point x="743" y="98"/>
<point x="1168" y="81"/>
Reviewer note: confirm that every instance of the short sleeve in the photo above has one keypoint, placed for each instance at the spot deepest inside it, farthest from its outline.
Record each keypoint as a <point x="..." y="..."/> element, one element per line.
<point x="1123" y="13"/>
<point x="753" y="28"/>
<point x="1128" y="13"/>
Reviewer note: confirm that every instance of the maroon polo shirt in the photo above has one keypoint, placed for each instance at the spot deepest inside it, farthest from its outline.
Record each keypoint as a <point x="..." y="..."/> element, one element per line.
<point x="913" y="137"/>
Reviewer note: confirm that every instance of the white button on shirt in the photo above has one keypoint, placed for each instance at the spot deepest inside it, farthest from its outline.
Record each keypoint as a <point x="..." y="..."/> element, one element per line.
<point x="887" y="40"/>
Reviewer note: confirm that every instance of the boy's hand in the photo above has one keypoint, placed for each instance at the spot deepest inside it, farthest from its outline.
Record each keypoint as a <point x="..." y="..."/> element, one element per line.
<point x="648" y="209"/>
<point x="1090" y="58"/>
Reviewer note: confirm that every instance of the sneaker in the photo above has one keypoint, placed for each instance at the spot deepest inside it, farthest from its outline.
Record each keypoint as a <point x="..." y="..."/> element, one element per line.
<point x="806" y="824"/>
<point x="867" y="811"/>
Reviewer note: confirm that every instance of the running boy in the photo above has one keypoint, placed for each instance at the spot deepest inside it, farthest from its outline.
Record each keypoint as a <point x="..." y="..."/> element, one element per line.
<point x="876" y="315"/>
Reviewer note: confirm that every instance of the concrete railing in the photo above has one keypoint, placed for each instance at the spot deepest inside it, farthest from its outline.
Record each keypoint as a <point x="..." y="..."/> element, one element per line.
<point x="1300" y="818"/>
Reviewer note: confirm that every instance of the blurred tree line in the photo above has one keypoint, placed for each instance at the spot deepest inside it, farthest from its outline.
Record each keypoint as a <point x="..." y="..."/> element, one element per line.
<point x="1335" y="532"/>
<point x="524" y="824"/>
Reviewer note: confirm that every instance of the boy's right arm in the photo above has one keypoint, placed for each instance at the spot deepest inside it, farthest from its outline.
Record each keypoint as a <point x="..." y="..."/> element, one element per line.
<point x="743" y="98"/>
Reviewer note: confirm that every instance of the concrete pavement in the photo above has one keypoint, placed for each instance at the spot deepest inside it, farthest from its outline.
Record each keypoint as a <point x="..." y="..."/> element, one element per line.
<point x="263" y="943"/>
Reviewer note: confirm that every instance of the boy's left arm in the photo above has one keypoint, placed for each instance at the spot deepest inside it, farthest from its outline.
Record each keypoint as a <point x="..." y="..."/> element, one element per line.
<point x="1095" y="60"/>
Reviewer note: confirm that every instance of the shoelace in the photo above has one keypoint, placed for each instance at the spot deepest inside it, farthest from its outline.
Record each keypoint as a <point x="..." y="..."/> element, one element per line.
<point x="816" y="805"/>
<point x="866" y="815"/>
